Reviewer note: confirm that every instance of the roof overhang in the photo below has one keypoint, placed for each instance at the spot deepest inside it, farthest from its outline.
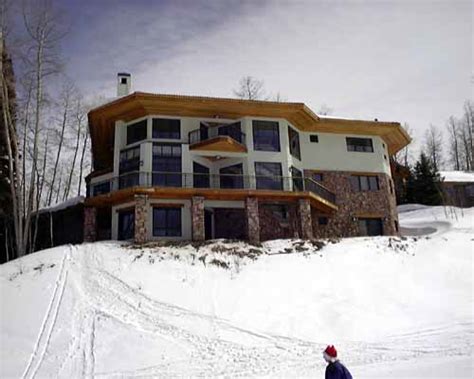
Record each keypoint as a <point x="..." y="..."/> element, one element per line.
<point x="138" y="104"/>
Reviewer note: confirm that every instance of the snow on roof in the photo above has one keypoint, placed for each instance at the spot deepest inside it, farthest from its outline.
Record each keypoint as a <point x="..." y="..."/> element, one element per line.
<point x="347" y="118"/>
<point x="457" y="176"/>
<point x="65" y="204"/>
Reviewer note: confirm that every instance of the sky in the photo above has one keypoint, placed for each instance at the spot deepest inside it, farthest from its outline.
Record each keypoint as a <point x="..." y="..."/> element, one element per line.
<point x="405" y="61"/>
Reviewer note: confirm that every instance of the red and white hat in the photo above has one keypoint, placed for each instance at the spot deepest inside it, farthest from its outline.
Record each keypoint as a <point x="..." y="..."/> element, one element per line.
<point x="330" y="353"/>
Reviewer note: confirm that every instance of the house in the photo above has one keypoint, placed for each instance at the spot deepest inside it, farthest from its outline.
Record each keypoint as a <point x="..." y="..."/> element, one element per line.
<point x="193" y="167"/>
<point x="458" y="188"/>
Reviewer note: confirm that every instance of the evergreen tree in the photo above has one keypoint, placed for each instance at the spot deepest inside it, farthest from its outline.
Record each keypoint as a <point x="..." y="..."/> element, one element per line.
<point x="423" y="185"/>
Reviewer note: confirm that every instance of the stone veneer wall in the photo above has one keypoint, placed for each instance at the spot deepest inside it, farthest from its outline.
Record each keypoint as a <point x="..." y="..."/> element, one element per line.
<point x="141" y="215"/>
<point x="90" y="220"/>
<point x="272" y="226"/>
<point x="381" y="203"/>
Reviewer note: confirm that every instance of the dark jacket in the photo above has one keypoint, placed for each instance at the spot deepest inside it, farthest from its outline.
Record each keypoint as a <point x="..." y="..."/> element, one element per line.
<point x="337" y="370"/>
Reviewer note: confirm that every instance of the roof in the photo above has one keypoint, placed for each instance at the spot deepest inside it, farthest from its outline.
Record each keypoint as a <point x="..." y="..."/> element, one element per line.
<point x="457" y="176"/>
<point x="138" y="104"/>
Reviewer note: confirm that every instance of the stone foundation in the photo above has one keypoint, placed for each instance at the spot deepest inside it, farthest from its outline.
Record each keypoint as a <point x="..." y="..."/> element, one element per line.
<point x="197" y="215"/>
<point x="141" y="216"/>
<point x="90" y="221"/>
<point x="273" y="226"/>
<point x="253" y="221"/>
<point x="354" y="205"/>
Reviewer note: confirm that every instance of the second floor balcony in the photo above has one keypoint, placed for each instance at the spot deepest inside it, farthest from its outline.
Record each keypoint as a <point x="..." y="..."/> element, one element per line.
<point x="224" y="183"/>
<point x="218" y="138"/>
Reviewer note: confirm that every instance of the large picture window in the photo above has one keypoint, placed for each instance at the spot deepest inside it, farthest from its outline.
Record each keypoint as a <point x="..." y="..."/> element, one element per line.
<point x="370" y="227"/>
<point x="129" y="166"/>
<point x="294" y="139"/>
<point x="136" y="132"/>
<point x="167" y="165"/>
<point x="166" y="128"/>
<point x="266" y="135"/>
<point x="201" y="176"/>
<point x="364" y="145"/>
<point x="167" y="222"/>
<point x="268" y="175"/>
<point x="232" y="176"/>
<point x="364" y="183"/>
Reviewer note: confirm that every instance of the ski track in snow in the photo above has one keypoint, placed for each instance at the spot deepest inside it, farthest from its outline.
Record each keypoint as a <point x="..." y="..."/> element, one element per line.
<point x="104" y="296"/>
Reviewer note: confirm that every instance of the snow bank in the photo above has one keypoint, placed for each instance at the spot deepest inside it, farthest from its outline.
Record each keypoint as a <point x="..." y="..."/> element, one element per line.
<point x="232" y="309"/>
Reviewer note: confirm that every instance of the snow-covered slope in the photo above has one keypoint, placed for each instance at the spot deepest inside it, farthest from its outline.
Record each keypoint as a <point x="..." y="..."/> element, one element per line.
<point x="394" y="307"/>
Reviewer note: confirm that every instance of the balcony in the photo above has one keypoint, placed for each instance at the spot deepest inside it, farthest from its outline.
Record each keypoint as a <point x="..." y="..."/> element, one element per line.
<point x="223" y="186"/>
<point x="219" y="138"/>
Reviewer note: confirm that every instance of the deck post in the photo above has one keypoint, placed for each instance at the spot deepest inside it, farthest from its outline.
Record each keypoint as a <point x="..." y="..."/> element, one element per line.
<point x="197" y="215"/>
<point x="253" y="221"/>
<point x="141" y="217"/>
<point x="90" y="224"/>
<point x="304" y="213"/>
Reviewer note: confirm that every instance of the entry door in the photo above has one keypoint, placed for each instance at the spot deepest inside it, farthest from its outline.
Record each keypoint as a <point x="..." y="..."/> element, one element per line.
<point x="371" y="227"/>
<point x="208" y="224"/>
<point x="126" y="224"/>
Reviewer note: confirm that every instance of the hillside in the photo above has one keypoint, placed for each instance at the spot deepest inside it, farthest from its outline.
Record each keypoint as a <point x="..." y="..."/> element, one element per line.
<point x="394" y="307"/>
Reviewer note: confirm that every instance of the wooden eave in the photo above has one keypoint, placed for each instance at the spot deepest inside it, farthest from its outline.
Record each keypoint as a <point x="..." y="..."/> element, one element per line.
<point x="139" y="104"/>
<point x="220" y="143"/>
<point x="127" y="195"/>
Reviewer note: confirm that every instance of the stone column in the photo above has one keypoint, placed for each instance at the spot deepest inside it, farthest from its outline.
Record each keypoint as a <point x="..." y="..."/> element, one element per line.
<point x="197" y="215"/>
<point x="304" y="211"/>
<point x="90" y="231"/>
<point x="253" y="221"/>
<point x="141" y="218"/>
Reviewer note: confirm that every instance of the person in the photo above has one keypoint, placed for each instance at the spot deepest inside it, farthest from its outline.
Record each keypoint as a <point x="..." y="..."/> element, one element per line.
<point x="335" y="369"/>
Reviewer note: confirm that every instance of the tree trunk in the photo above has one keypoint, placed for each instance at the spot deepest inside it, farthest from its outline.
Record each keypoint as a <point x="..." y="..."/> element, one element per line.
<point x="81" y="166"/>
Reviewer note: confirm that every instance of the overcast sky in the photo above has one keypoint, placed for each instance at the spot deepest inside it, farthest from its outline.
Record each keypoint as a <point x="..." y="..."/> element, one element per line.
<point x="406" y="61"/>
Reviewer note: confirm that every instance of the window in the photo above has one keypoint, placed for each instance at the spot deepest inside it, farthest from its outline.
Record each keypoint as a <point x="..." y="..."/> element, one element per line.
<point x="231" y="130"/>
<point x="323" y="220"/>
<point x="469" y="189"/>
<point x="313" y="138"/>
<point x="317" y="176"/>
<point x="364" y="183"/>
<point x="266" y="135"/>
<point x="167" y="222"/>
<point x="297" y="178"/>
<point x="294" y="139"/>
<point x="268" y="175"/>
<point x="360" y="144"/>
<point x="201" y="176"/>
<point x="126" y="224"/>
<point x="166" y="128"/>
<point x="395" y="223"/>
<point x="136" y="132"/>
<point x="129" y="166"/>
<point x="166" y="165"/>
<point x="101" y="188"/>
<point x="232" y="176"/>
<point x="370" y="227"/>
<point x="391" y="186"/>
<point x="123" y="80"/>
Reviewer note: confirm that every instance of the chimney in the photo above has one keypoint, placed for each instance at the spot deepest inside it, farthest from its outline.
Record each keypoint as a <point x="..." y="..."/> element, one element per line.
<point x="124" y="83"/>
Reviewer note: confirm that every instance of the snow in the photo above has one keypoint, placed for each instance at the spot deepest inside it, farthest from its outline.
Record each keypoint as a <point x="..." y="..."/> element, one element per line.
<point x="63" y="205"/>
<point x="394" y="307"/>
<point x="457" y="176"/>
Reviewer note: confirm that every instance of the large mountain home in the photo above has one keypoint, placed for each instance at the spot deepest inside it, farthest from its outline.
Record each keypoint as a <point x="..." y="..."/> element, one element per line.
<point x="195" y="168"/>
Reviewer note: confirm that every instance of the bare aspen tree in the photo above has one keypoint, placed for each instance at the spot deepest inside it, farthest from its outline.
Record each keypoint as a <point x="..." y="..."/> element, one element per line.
<point x="43" y="27"/>
<point x="403" y="156"/>
<point x="434" y="143"/>
<point x="453" y="131"/>
<point x="81" y="164"/>
<point x="250" y="88"/>
<point x="79" y="117"/>
<point x="65" y="103"/>
<point x="39" y="193"/>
